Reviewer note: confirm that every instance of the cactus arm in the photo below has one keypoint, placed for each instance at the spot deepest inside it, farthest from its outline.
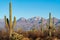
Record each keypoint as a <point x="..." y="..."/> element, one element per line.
<point x="14" y="22"/>
<point x="6" y="24"/>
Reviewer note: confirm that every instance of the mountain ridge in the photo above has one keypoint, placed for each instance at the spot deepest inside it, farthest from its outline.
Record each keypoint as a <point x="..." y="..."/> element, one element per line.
<point x="27" y="24"/>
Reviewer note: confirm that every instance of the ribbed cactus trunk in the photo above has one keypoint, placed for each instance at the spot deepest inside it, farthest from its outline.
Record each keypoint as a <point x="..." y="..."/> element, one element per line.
<point x="47" y="26"/>
<point x="42" y="25"/>
<point x="53" y="25"/>
<point x="50" y="24"/>
<point x="10" y="17"/>
<point x="50" y="21"/>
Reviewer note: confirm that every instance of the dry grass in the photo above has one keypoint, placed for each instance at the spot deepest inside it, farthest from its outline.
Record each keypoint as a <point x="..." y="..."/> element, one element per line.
<point x="32" y="35"/>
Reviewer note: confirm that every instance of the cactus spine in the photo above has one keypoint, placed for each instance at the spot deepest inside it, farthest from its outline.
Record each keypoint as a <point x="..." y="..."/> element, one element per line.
<point x="9" y="24"/>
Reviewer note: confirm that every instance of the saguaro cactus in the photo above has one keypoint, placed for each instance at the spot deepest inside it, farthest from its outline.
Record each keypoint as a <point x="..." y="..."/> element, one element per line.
<point x="41" y="24"/>
<point x="10" y="18"/>
<point x="50" y="24"/>
<point x="6" y="25"/>
<point x="47" y="26"/>
<point x="50" y="21"/>
<point x="53" y="25"/>
<point x="14" y="22"/>
<point x="9" y="24"/>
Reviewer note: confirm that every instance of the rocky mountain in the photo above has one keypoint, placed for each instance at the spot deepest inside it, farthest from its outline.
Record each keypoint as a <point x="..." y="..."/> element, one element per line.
<point x="28" y="24"/>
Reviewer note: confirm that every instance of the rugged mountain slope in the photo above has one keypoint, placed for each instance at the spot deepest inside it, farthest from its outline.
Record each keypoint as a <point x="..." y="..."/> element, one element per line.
<point x="28" y="24"/>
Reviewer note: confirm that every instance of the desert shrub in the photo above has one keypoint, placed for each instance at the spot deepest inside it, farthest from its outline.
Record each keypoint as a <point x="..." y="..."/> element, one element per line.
<point x="31" y="38"/>
<point x="38" y="38"/>
<point x="16" y="36"/>
<point x="33" y="34"/>
<point x="25" y="38"/>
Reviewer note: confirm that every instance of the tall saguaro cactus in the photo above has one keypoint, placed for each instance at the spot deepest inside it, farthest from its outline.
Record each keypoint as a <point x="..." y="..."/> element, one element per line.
<point x="53" y="24"/>
<point x="41" y="24"/>
<point x="50" y="24"/>
<point x="10" y="17"/>
<point x="50" y="20"/>
<point x="9" y="24"/>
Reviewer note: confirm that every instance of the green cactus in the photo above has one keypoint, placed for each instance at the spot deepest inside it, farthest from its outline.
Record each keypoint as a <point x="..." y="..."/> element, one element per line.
<point x="42" y="24"/>
<point x="33" y="28"/>
<point x="8" y="22"/>
<point x="53" y="24"/>
<point x="14" y="22"/>
<point x="50" y="21"/>
<point x="47" y="26"/>
<point x="50" y="24"/>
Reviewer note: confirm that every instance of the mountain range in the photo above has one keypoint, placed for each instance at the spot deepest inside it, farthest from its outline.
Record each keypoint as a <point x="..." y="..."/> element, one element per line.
<point x="28" y="24"/>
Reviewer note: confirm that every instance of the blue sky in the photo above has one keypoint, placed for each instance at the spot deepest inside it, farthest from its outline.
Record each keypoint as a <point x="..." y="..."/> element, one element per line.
<point x="30" y="8"/>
